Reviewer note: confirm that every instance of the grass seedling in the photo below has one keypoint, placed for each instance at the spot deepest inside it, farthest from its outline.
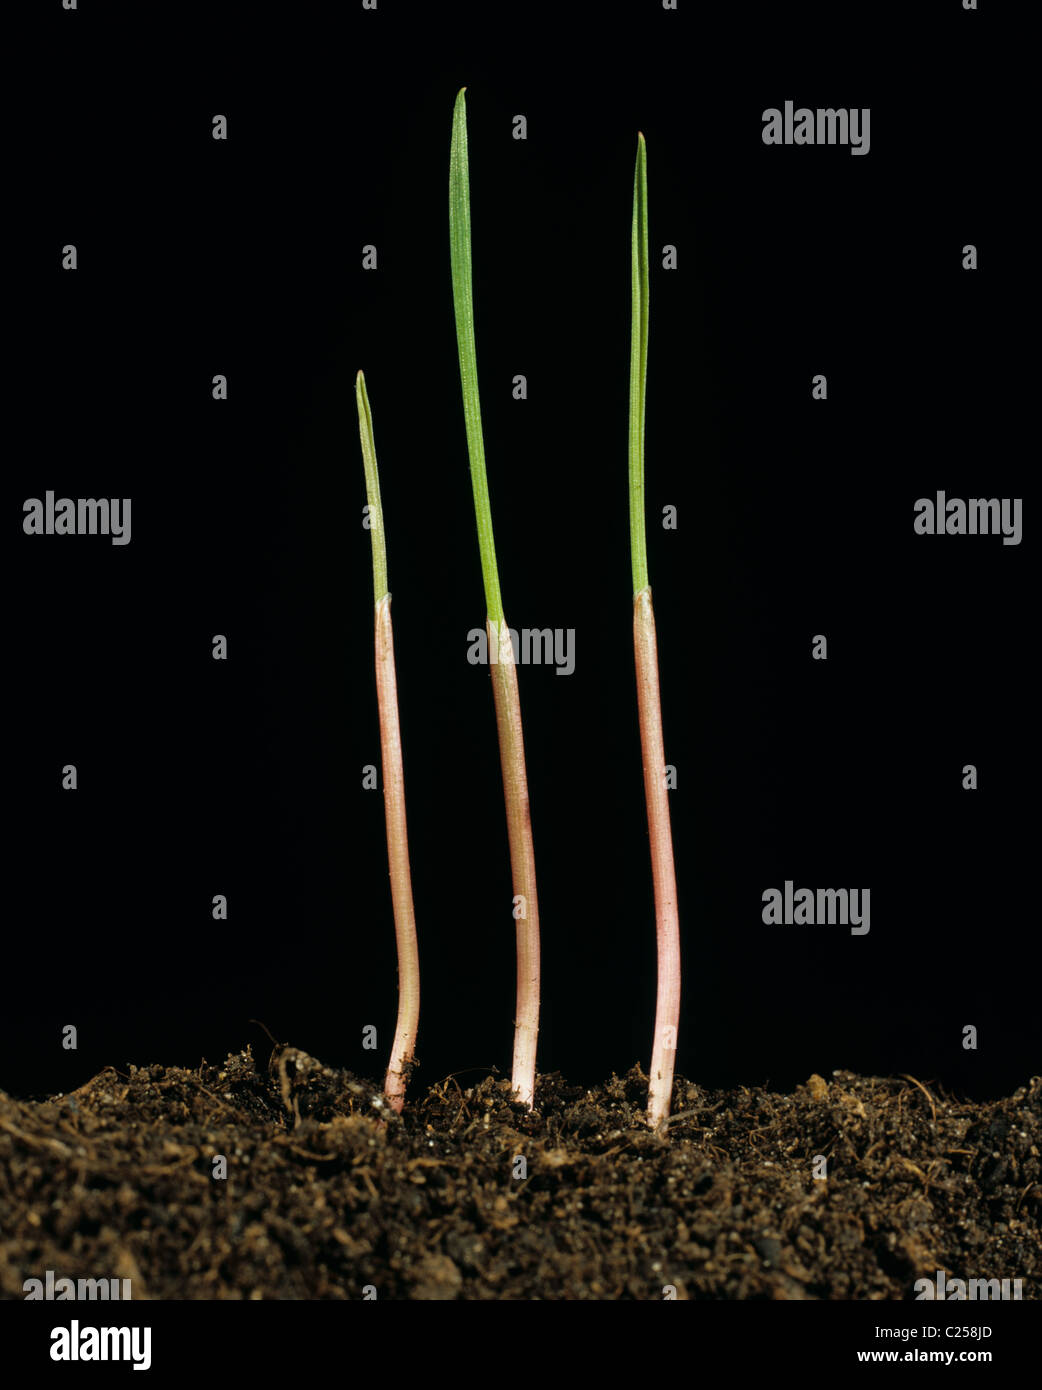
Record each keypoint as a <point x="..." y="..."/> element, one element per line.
<point x="500" y="651"/>
<point x="649" y="703"/>
<point x="394" y="782"/>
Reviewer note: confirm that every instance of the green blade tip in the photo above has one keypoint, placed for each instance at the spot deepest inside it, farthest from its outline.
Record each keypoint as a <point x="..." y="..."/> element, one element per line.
<point x="372" y="488"/>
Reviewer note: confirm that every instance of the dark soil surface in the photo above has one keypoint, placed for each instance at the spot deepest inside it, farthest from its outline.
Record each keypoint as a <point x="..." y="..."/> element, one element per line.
<point x="330" y="1196"/>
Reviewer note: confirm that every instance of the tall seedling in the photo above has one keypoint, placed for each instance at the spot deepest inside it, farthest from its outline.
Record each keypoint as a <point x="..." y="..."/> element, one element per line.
<point x="500" y="650"/>
<point x="649" y="704"/>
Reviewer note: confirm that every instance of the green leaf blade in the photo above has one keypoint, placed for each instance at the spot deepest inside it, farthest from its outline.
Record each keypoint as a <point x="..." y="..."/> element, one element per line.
<point x="463" y="301"/>
<point x="638" y="367"/>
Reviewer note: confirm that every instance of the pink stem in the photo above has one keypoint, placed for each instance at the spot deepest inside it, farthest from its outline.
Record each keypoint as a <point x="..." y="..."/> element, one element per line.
<point x="398" y="861"/>
<point x="667" y="1005"/>
<point x="522" y="857"/>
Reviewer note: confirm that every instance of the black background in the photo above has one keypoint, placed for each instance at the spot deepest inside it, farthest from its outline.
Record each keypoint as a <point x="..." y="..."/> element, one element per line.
<point x="243" y="257"/>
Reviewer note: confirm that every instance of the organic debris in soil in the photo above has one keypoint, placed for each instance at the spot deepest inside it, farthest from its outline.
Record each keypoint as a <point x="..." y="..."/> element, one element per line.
<point x="328" y="1194"/>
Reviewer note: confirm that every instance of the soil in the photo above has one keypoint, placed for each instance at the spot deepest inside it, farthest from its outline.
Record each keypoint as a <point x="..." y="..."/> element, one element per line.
<point x="329" y="1195"/>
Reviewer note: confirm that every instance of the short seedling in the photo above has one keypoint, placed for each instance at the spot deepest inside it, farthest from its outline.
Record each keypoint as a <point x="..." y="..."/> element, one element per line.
<point x="500" y="650"/>
<point x="403" y="1050"/>
<point x="649" y="704"/>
